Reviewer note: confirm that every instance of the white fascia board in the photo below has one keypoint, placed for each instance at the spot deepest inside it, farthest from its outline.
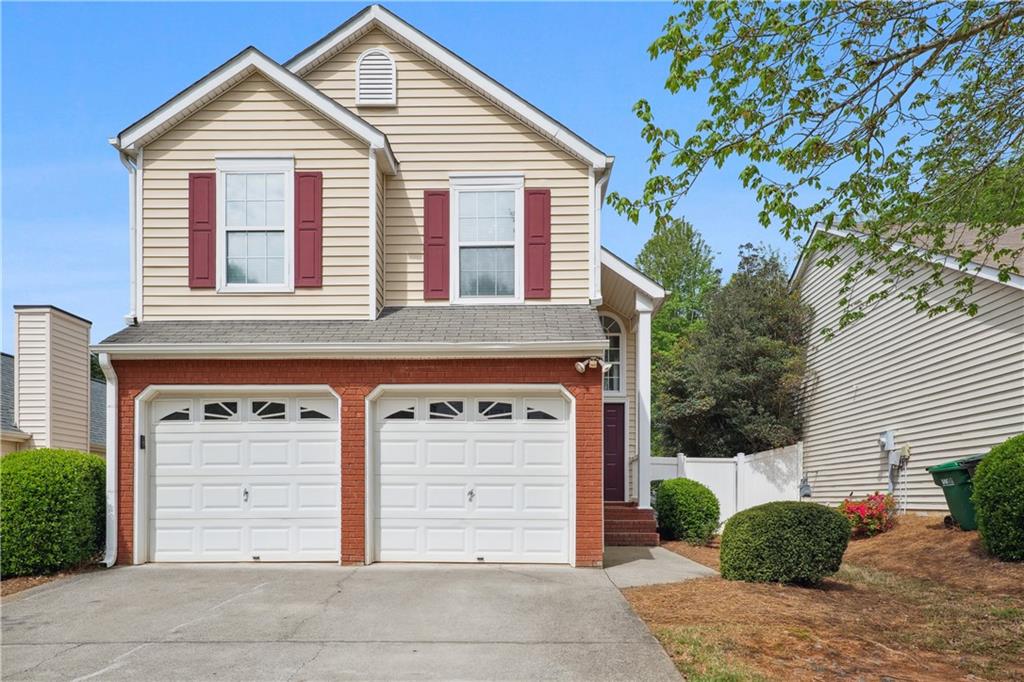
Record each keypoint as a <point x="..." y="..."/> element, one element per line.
<point x="981" y="271"/>
<point x="251" y="59"/>
<point x="360" y="23"/>
<point x="353" y="351"/>
<point x="627" y="272"/>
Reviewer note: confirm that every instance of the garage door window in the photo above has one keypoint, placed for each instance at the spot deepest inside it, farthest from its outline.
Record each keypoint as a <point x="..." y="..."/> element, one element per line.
<point x="315" y="409"/>
<point x="269" y="410"/>
<point x="172" y="410"/>
<point x="489" y="410"/>
<point x="541" y="409"/>
<point x="220" y="411"/>
<point x="446" y="409"/>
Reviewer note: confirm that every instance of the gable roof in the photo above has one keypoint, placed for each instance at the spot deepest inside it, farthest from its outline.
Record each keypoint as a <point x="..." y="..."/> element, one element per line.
<point x="1012" y="240"/>
<point x="246" y="63"/>
<point x="376" y="16"/>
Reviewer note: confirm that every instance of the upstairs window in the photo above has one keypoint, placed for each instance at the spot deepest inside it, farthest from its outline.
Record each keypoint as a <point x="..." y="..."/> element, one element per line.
<point x="376" y="83"/>
<point x="255" y="203"/>
<point x="487" y="227"/>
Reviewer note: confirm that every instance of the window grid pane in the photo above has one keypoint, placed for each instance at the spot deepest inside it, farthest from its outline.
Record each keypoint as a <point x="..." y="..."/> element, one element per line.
<point x="487" y="271"/>
<point x="255" y="257"/>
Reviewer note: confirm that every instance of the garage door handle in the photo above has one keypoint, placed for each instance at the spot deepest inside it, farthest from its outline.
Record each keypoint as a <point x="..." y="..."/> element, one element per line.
<point x="245" y="495"/>
<point x="471" y="494"/>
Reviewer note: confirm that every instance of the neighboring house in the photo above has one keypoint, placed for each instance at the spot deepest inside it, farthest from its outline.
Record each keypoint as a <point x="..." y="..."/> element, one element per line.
<point x="370" y="311"/>
<point x="49" y="399"/>
<point x="947" y="387"/>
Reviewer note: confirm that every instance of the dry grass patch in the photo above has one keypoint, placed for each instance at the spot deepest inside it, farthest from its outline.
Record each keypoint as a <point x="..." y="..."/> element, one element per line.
<point x="920" y="603"/>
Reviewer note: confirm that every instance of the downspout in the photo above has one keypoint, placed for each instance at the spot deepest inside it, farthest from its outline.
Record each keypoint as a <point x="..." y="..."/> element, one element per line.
<point x="130" y="164"/>
<point x="600" y="185"/>
<point x="110" y="551"/>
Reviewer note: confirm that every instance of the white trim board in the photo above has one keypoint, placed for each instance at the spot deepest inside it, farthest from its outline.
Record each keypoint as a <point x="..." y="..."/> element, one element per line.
<point x="567" y="349"/>
<point x="241" y="66"/>
<point x="377" y="16"/>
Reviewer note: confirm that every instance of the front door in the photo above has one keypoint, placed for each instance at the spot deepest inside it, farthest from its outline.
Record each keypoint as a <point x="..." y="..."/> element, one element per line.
<point x="615" y="452"/>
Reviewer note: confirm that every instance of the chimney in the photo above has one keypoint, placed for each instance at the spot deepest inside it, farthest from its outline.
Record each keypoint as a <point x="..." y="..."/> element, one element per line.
<point x="51" y="376"/>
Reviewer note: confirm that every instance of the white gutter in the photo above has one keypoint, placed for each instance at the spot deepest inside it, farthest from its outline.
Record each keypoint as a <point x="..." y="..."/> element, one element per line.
<point x="110" y="551"/>
<point x="128" y="162"/>
<point x="351" y="350"/>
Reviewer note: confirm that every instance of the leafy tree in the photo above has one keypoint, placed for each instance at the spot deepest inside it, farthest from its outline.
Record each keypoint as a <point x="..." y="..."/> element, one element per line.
<point x="733" y="385"/>
<point x="885" y="122"/>
<point x="95" y="371"/>
<point x="679" y="259"/>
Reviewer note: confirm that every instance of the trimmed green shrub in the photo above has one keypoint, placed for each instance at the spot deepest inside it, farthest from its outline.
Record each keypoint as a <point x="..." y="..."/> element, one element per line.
<point x="999" y="499"/>
<point x="784" y="542"/>
<point x="686" y="510"/>
<point x="52" y="510"/>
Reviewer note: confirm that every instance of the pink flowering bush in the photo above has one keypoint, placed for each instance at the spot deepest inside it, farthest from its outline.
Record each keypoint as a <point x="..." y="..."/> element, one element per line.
<point x="873" y="515"/>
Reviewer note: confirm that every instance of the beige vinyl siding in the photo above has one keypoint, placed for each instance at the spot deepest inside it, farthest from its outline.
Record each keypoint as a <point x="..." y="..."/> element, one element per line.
<point x="69" y="382"/>
<point x="32" y="374"/>
<point x="382" y="188"/>
<point x="441" y="126"/>
<point x="949" y="387"/>
<point x="255" y="116"/>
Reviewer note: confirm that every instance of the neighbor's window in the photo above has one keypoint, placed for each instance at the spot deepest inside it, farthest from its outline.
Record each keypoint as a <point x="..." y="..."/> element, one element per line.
<point x="613" y="355"/>
<point x="256" y="207"/>
<point x="486" y="227"/>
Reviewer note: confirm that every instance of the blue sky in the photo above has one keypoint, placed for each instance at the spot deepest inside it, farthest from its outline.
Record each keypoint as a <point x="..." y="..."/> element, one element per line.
<point x="75" y="74"/>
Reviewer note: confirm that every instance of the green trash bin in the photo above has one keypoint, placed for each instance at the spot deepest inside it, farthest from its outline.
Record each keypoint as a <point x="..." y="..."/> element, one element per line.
<point x="955" y="480"/>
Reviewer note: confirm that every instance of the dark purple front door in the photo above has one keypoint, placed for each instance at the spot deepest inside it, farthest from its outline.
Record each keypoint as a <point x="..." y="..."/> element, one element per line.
<point x="614" y="452"/>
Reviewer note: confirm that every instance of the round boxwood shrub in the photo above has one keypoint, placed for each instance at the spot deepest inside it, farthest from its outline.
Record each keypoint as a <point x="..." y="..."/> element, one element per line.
<point x="999" y="499"/>
<point x="686" y="510"/>
<point x="784" y="542"/>
<point x="51" y="510"/>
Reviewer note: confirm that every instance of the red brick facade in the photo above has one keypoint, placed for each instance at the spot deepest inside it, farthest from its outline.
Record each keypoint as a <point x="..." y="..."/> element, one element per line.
<point x="353" y="380"/>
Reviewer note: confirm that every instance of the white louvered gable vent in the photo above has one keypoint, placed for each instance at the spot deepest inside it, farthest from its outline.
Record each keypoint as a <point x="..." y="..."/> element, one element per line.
<point x="376" y="82"/>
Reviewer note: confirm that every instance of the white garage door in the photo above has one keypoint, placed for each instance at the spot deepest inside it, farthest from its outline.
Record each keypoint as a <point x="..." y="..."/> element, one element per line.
<point x="474" y="479"/>
<point x="245" y="479"/>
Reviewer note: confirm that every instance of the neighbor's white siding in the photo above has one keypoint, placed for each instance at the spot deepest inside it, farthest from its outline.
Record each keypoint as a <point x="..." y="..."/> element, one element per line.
<point x="441" y="126"/>
<point x="950" y="386"/>
<point x="255" y="116"/>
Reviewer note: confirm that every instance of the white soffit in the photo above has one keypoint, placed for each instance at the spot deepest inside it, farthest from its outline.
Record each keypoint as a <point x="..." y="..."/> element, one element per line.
<point x="376" y="16"/>
<point x="642" y="282"/>
<point x="243" y="65"/>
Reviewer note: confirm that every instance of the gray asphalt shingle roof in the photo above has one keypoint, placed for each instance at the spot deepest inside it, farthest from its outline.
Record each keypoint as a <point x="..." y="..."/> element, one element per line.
<point x="98" y="412"/>
<point x="7" y="421"/>
<point x="410" y="324"/>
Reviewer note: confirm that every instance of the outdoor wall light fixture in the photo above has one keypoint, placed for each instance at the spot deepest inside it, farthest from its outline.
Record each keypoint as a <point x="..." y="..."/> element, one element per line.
<point x="590" y="363"/>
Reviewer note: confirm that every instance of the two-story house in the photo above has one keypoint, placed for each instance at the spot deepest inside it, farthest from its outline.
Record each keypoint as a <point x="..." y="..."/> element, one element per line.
<point x="371" y="319"/>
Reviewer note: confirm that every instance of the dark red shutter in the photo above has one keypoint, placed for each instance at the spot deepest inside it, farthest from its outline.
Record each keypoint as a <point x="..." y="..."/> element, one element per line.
<point x="435" y="244"/>
<point x="309" y="229"/>
<point x="202" y="230"/>
<point x="538" y="243"/>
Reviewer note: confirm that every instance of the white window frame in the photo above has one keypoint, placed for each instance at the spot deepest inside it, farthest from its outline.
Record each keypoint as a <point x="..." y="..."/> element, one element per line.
<point x="503" y="182"/>
<point x="622" y="354"/>
<point x="255" y="163"/>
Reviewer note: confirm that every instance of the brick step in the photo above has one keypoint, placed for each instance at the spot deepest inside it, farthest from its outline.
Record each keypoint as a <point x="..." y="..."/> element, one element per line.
<point x="623" y="526"/>
<point x="629" y="514"/>
<point x="631" y="539"/>
<point x="612" y="503"/>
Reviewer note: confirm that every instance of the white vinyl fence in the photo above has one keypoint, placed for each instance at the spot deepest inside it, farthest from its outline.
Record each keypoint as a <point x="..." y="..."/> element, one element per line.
<point x="742" y="481"/>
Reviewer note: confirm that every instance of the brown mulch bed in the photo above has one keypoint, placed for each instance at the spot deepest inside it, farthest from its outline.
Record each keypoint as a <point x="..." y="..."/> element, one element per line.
<point x="917" y="603"/>
<point x="9" y="586"/>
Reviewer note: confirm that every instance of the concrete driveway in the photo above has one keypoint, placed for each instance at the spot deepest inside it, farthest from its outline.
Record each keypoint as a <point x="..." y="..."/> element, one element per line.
<point x="275" y="622"/>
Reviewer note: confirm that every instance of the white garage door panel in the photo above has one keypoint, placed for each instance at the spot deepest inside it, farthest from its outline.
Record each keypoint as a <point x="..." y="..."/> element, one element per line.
<point x="464" y="541"/>
<point x="473" y="489"/>
<point x="246" y="488"/>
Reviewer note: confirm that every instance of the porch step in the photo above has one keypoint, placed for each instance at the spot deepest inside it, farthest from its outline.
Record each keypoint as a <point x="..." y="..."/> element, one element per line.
<point x="626" y="525"/>
<point x="630" y="539"/>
